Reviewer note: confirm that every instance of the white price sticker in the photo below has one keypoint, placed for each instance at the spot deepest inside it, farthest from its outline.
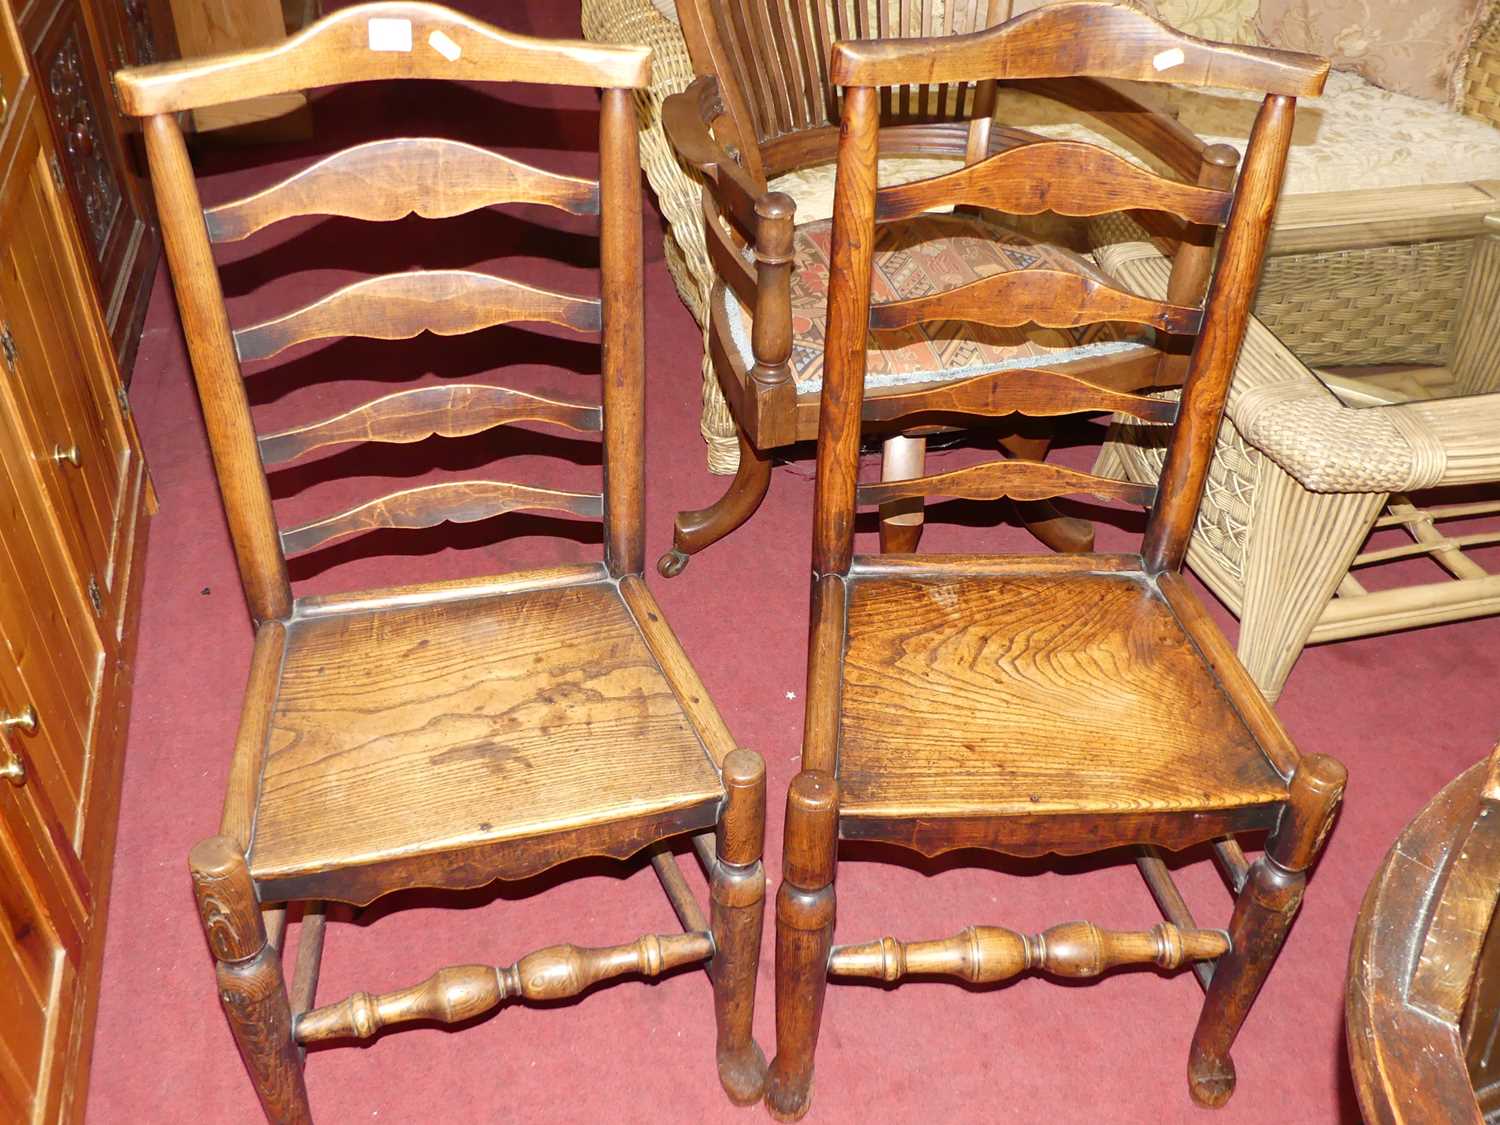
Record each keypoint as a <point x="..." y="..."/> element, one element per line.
<point x="390" y="34"/>
<point x="444" y="46"/>
<point x="1166" y="60"/>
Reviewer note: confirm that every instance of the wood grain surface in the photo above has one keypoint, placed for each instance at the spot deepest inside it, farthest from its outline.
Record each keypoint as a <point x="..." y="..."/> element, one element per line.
<point x="389" y="179"/>
<point x="414" y="731"/>
<point x="944" y="680"/>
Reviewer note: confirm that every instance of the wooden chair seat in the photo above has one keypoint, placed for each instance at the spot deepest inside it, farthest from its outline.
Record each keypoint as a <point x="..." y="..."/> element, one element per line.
<point x="945" y="674"/>
<point x="531" y="720"/>
<point x="914" y="259"/>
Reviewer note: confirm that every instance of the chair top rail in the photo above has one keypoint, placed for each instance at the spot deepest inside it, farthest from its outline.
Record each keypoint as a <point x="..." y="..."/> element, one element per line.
<point x="385" y="180"/>
<point x="1080" y="38"/>
<point x="393" y="39"/>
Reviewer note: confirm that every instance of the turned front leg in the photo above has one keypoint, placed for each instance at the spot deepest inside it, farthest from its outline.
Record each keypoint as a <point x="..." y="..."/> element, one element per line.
<point x="1263" y="913"/>
<point x="738" y="894"/>
<point x="252" y="991"/>
<point x="804" y="938"/>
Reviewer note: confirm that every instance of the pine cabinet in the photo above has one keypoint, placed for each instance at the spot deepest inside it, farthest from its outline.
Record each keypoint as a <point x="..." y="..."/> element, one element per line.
<point x="74" y="505"/>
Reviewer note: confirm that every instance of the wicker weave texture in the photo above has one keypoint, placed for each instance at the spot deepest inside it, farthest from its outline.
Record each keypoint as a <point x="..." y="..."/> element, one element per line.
<point x="678" y="188"/>
<point x="1482" y="76"/>
<point x="1380" y="304"/>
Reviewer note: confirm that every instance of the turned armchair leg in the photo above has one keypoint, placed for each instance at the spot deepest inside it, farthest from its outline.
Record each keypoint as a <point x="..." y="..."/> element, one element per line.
<point x="1263" y="913"/>
<point x="901" y="520"/>
<point x="738" y="898"/>
<point x="251" y="989"/>
<point x="804" y="938"/>
<point x="698" y="528"/>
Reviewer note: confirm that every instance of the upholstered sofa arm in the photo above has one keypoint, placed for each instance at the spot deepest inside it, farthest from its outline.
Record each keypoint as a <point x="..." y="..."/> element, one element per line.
<point x="1282" y="409"/>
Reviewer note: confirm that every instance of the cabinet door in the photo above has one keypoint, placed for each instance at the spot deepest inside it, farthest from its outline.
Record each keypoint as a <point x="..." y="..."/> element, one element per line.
<point x="93" y="161"/>
<point x="40" y="951"/>
<point x="71" y="422"/>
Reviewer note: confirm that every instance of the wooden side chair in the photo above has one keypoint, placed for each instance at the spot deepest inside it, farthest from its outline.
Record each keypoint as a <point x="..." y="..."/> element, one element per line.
<point x="1062" y="703"/>
<point x="1422" y="1007"/>
<point x="764" y="106"/>
<point x="450" y="734"/>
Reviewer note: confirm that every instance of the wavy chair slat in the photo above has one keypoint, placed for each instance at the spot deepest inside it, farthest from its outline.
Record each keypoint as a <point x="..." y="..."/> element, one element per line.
<point x="397" y="306"/>
<point x="1066" y="177"/>
<point x="385" y="180"/>
<point x="1081" y="38"/>
<point x="380" y="41"/>
<point x="1036" y="391"/>
<point x="1014" y="480"/>
<point x="451" y="410"/>
<point x="465" y="501"/>
<point x="1050" y="298"/>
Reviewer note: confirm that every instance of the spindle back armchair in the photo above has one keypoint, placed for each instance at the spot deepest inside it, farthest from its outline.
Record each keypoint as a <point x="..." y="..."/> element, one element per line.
<point x="765" y="106"/>
<point x="447" y="734"/>
<point x="1063" y="704"/>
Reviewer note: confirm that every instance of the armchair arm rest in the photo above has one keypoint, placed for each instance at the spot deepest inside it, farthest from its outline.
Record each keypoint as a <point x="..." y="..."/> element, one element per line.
<point x="687" y="118"/>
<point x="1348" y="220"/>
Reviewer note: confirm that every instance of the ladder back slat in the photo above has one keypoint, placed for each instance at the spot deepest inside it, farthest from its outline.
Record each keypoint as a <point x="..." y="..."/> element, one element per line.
<point x="1098" y="40"/>
<point x="1013" y="480"/>
<point x="380" y="41"/>
<point x="1065" y="177"/>
<point x="450" y="502"/>
<point x="390" y="179"/>
<point x="1046" y="297"/>
<point x="1038" y="392"/>
<point x="450" y="411"/>
<point x="397" y="306"/>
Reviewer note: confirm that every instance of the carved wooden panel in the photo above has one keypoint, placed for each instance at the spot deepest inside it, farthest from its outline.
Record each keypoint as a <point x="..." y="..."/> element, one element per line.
<point x="85" y="160"/>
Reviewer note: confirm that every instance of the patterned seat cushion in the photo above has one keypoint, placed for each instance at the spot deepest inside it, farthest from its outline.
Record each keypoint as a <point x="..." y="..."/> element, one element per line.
<point x="916" y="258"/>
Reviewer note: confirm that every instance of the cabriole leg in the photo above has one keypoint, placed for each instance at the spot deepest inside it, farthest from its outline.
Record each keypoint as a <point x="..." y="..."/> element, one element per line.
<point x="1263" y="913"/>
<point x="804" y="938"/>
<point x="251" y="989"/>
<point x="698" y="528"/>
<point x="738" y="893"/>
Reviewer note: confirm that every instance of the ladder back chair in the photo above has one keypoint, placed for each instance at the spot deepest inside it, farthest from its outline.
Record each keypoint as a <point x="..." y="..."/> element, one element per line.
<point x="765" y="106"/>
<point x="449" y="734"/>
<point x="1057" y="704"/>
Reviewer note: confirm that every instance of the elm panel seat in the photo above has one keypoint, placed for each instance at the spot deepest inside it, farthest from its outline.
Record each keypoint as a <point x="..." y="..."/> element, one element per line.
<point x="944" y="676"/>
<point x="463" y="725"/>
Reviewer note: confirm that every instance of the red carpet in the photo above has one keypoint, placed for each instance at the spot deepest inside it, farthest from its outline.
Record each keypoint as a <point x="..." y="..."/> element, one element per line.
<point x="1405" y="712"/>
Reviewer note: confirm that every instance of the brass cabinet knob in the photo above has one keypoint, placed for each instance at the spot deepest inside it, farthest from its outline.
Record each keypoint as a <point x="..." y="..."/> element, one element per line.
<point x="12" y="765"/>
<point x="70" y="455"/>
<point x="24" y="721"/>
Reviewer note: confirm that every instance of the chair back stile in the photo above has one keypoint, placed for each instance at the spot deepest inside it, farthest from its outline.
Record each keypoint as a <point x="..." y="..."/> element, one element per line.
<point x="1062" y="41"/>
<point x="386" y="180"/>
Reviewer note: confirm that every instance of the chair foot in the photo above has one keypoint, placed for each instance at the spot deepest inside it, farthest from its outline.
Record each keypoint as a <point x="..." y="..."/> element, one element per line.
<point x="743" y="1074"/>
<point x="1066" y="535"/>
<point x="698" y="528"/>
<point x="804" y="938"/>
<point x="1210" y="1081"/>
<point x="672" y="563"/>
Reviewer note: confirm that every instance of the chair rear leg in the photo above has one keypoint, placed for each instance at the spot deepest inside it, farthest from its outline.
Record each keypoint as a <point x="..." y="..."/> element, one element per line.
<point x="901" y="458"/>
<point x="698" y="528"/>
<point x="804" y="938"/>
<point x="1263" y="912"/>
<point x="738" y="895"/>
<point x="251" y="989"/>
